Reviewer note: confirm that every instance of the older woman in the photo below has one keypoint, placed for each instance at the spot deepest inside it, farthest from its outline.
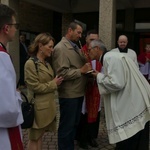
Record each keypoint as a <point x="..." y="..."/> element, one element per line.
<point x="41" y="85"/>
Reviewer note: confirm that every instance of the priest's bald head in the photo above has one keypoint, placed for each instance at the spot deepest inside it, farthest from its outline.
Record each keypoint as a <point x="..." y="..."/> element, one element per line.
<point x="122" y="41"/>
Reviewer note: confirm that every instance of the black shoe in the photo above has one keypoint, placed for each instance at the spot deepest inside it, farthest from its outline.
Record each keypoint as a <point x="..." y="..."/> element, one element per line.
<point x="83" y="145"/>
<point x="93" y="143"/>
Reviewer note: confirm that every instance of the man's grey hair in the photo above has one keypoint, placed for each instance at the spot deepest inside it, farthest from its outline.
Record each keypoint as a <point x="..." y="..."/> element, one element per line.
<point x="98" y="43"/>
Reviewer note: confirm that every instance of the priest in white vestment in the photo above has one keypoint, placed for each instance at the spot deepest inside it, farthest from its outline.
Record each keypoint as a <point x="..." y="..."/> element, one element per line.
<point x="10" y="99"/>
<point x="123" y="48"/>
<point x="126" y="95"/>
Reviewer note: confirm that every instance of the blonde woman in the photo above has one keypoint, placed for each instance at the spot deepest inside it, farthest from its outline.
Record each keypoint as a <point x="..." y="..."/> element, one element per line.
<point x="41" y="85"/>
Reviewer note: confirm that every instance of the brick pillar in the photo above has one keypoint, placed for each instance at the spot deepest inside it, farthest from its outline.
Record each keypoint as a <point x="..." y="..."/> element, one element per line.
<point x="13" y="47"/>
<point x="66" y="19"/>
<point x="107" y="22"/>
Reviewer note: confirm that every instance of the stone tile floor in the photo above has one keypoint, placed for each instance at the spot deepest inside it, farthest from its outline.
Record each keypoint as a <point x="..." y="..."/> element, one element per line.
<point x="50" y="139"/>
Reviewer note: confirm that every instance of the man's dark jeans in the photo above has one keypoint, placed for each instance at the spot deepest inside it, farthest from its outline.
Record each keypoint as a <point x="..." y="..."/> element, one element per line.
<point x="70" y="110"/>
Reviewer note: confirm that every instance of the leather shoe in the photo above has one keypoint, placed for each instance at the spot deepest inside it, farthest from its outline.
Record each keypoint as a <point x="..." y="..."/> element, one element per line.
<point x="93" y="143"/>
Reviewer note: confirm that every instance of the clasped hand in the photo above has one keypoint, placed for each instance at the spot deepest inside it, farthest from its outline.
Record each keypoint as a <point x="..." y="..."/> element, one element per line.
<point x="87" y="67"/>
<point x="58" y="80"/>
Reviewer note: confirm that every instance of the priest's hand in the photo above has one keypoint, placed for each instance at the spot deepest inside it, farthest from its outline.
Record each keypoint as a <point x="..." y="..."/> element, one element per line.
<point x="94" y="73"/>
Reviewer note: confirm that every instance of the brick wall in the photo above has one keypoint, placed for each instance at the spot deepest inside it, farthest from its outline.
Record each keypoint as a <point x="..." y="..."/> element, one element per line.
<point x="66" y="19"/>
<point x="35" y="18"/>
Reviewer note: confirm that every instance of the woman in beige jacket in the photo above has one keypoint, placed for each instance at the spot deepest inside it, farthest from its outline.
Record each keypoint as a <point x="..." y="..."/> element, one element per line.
<point x="41" y="85"/>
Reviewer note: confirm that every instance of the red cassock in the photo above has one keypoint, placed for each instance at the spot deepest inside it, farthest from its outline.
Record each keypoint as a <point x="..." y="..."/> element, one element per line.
<point x="92" y="96"/>
<point x="142" y="57"/>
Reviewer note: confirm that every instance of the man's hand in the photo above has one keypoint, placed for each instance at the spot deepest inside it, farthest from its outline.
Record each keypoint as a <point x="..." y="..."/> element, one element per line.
<point x="87" y="67"/>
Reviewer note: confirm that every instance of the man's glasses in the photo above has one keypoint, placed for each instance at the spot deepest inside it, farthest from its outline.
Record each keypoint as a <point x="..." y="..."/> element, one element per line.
<point x="14" y="24"/>
<point x="91" y="48"/>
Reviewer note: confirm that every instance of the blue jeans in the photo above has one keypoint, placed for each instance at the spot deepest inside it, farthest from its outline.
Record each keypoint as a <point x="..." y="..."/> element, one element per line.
<point x="70" y="110"/>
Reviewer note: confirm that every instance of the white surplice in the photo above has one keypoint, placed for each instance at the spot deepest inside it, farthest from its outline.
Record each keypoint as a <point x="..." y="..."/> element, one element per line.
<point x="126" y="95"/>
<point x="130" y="53"/>
<point x="10" y="100"/>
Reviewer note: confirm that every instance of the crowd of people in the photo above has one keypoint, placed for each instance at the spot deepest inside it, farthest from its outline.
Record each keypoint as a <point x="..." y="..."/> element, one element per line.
<point x="83" y="77"/>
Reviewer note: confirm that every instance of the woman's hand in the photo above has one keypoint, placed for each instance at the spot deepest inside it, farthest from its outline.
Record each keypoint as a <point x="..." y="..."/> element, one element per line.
<point x="58" y="80"/>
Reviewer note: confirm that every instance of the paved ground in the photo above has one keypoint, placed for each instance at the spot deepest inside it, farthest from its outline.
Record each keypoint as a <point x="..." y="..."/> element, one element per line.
<point x="50" y="139"/>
